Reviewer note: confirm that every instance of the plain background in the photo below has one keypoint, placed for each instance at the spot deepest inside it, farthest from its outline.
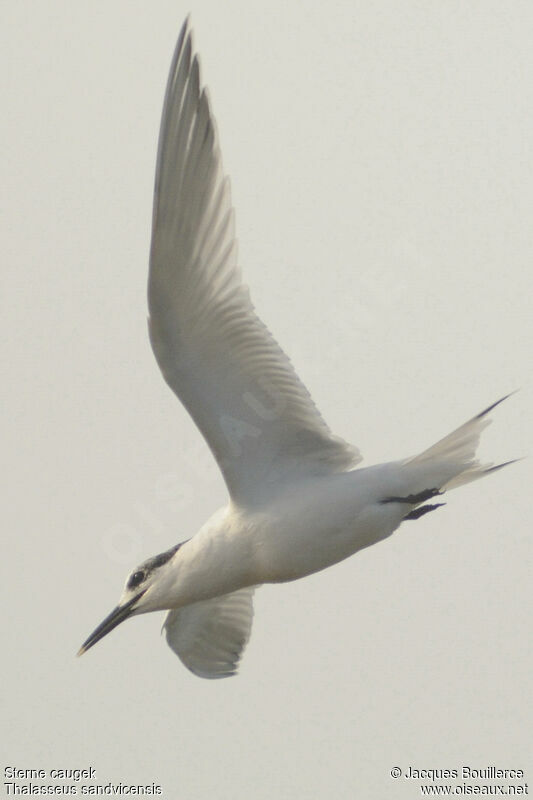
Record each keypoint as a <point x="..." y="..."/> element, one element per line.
<point x="381" y="164"/>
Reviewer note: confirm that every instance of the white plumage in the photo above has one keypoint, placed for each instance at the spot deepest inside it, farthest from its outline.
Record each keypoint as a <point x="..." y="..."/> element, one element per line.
<point x="297" y="503"/>
<point x="214" y="352"/>
<point x="210" y="636"/>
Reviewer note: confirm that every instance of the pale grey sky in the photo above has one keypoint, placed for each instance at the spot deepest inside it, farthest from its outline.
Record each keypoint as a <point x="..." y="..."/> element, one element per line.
<point x="381" y="164"/>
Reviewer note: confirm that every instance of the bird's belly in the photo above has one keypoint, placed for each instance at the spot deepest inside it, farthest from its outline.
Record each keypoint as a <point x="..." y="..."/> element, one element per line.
<point x="299" y="546"/>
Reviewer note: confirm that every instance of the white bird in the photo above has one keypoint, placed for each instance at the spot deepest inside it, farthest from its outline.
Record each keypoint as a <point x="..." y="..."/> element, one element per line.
<point x="296" y="503"/>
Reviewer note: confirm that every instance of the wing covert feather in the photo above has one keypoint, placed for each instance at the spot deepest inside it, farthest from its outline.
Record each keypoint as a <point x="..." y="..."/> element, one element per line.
<point x="213" y="350"/>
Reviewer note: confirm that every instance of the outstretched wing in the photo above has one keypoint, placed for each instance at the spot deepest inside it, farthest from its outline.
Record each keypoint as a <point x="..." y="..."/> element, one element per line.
<point x="210" y="636"/>
<point x="213" y="350"/>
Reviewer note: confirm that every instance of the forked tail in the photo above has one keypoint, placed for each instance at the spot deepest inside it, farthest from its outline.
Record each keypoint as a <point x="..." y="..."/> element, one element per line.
<point x="452" y="461"/>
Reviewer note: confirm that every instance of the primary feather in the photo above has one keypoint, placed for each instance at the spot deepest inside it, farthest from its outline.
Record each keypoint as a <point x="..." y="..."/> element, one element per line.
<point x="213" y="350"/>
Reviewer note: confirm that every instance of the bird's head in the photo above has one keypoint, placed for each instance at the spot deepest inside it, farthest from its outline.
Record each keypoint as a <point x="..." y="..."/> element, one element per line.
<point x="143" y="591"/>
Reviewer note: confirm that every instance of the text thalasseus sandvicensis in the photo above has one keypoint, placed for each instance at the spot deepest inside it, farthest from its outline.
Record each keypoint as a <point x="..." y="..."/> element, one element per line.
<point x="297" y="503"/>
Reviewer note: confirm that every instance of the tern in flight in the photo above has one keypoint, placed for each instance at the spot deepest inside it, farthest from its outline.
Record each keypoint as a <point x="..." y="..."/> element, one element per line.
<point x="297" y="502"/>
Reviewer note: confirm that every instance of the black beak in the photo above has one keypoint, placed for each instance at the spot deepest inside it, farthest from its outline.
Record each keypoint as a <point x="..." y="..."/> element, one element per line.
<point x="118" y="615"/>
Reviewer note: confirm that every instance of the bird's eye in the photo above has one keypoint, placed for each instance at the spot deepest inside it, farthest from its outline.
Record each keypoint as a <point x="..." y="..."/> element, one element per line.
<point x="136" y="579"/>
